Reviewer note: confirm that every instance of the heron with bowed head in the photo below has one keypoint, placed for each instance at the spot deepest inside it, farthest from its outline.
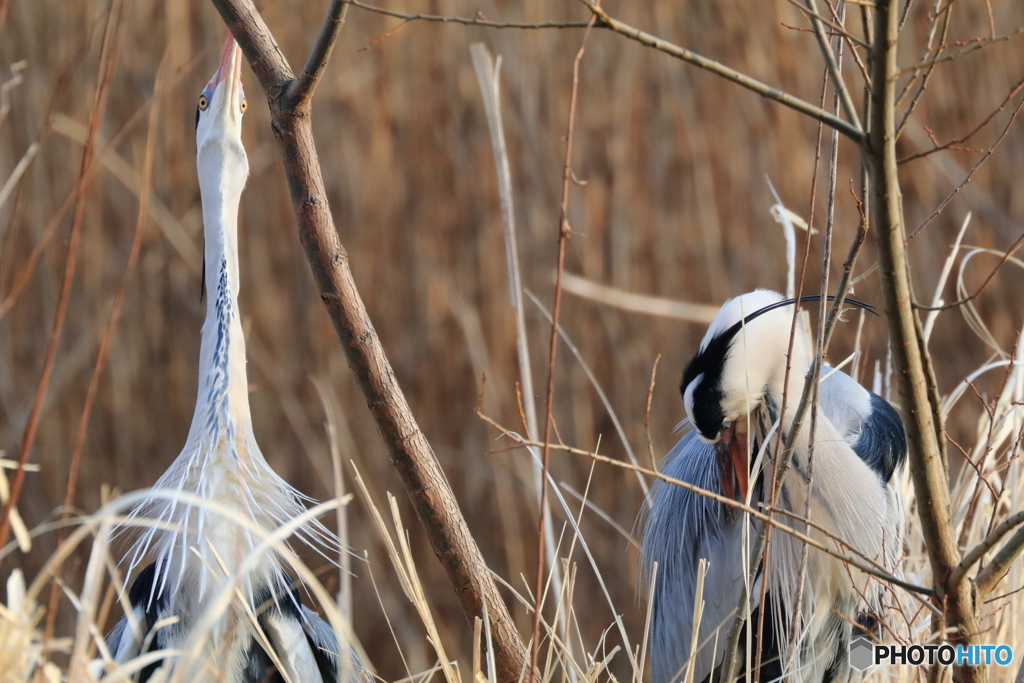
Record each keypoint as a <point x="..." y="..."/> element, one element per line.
<point x="208" y="518"/>
<point x="733" y="395"/>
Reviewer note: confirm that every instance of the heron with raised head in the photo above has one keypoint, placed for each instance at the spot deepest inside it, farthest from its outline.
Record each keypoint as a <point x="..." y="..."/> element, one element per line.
<point x="207" y="518"/>
<point x="733" y="395"/>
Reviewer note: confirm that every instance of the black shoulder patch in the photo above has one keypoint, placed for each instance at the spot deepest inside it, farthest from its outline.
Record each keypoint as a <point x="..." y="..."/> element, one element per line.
<point x="146" y="584"/>
<point x="142" y="589"/>
<point x="883" y="442"/>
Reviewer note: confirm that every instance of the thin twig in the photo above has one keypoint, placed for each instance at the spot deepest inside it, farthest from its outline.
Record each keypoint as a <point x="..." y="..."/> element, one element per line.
<point x="564" y="232"/>
<point x="952" y="144"/>
<point x="833" y="27"/>
<point x="760" y="555"/>
<point x="1006" y="257"/>
<point x="108" y="61"/>
<point x="108" y="334"/>
<point x="956" y="190"/>
<point x="817" y="113"/>
<point x="946" y="14"/>
<point x="820" y="341"/>
<point x="832" y="62"/>
<point x="973" y="47"/>
<point x="866" y="565"/>
<point x="467" y="21"/>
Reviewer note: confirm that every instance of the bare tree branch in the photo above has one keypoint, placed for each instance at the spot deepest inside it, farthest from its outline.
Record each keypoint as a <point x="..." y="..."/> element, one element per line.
<point x="911" y="361"/>
<point x="990" y="575"/>
<point x="866" y="565"/>
<point x="833" y="64"/>
<point x="960" y="302"/>
<point x="990" y="541"/>
<point x="603" y="20"/>
<point x="305" y="84"/>
<point x="425" y="483"/>
<point x="973" y="47"/>
<point x="467" y="21"/>
<point x="848" y="129"/>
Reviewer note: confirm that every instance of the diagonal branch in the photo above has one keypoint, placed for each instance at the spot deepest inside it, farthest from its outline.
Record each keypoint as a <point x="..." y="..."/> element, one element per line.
<point x="304" y="86"/>
<point x="990" y="575"/>
<point x="603" y="20"/>
<point x="833" y="64"/>
<point x="955" y="54"/>
<point x="466" y="21"/>
<point x="848" y="129"/>
<point x="990" y="541"/>
<point x="864" y="564"/>
<point x="411" y="454"/>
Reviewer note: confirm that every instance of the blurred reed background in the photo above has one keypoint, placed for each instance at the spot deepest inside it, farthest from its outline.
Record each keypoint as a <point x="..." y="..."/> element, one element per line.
<point x="676" y="205"/>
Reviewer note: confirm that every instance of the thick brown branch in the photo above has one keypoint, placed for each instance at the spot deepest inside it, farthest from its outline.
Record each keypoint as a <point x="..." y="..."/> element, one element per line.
<point x="910" y="360"/>
<point x="410" y="453"/>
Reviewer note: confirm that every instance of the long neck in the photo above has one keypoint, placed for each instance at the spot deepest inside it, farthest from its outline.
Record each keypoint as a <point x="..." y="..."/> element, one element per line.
<point x="223" y="400"/>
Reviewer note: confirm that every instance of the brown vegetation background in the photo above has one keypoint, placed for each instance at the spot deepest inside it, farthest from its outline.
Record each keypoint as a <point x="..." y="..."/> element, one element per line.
<point x="676" y="205"/>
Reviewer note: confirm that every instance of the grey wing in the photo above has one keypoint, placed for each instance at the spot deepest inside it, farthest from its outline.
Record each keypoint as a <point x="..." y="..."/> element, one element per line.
<point x="875" y="432"/>
<point x="681" y="528"/>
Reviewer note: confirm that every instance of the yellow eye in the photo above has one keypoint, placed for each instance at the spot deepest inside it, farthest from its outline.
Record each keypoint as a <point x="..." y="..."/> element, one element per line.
<point x="203" y="102"/>
<point x="245" y="104"/>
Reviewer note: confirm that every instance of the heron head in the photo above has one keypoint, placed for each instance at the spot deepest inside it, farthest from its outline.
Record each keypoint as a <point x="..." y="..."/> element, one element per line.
<point x="220" y="156"/>
<point x="740" y="358"/>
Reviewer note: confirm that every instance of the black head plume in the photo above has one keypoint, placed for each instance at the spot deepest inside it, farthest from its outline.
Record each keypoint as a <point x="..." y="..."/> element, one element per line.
<point x="710" y="362"/>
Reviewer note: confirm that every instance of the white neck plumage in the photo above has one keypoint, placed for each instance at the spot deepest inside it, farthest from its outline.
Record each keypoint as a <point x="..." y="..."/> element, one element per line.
<point x="222" y="400"/>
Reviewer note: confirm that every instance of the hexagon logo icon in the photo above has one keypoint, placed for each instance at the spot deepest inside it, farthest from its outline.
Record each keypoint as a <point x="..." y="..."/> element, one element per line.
<point x="861" y="654"/>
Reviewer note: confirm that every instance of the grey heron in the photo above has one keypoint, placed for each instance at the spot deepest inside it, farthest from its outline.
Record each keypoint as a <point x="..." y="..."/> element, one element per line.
<point x="732" y="391"/>
<point x="207" y="511"/>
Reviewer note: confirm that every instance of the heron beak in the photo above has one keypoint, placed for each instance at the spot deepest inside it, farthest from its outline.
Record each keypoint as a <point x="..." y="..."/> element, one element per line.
<point x="735" y="459"/>
<point x="230" y="64"/>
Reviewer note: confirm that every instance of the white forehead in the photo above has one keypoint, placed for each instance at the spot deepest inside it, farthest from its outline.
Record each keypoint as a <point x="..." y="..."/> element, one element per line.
<point x="735" y="309"/>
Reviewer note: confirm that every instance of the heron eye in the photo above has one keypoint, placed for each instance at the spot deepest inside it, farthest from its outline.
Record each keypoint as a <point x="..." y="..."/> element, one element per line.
<point x="203" y="102"/>
<point x="245" y="104"/>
